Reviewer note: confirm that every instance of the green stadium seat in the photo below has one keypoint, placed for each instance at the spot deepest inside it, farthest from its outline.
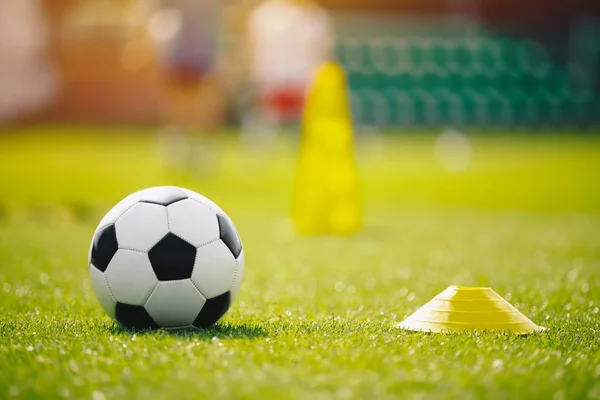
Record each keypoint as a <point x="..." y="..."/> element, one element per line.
<point x="402" y="105"/>
<point x="447" y="78"/>
<point x="485" y="55"/>
<point x="439" y="54"/>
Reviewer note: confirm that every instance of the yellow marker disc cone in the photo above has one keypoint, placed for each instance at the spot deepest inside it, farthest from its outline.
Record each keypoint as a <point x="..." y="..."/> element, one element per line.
<point x="460" y="308"/>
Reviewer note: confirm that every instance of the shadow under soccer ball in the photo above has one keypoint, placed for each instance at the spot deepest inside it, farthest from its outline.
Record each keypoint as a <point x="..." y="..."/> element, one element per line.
<point x="219" y="331"/>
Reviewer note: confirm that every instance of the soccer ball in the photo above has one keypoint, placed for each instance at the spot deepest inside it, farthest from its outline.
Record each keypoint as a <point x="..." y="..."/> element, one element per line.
<point x="166" y="257"/>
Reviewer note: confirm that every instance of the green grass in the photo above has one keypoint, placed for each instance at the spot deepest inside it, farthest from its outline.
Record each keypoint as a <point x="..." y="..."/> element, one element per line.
<point x="316" y="315"/>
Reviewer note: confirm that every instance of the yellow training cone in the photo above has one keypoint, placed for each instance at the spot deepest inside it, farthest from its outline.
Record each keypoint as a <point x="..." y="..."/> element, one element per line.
<point x="461" y="308"/>
<point x="325" y="198"/>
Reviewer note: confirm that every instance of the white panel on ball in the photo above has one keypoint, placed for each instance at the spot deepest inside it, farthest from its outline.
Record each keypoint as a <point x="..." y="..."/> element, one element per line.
<point x="203" y="200"/>
<point x="175" y="303"/>
<point x="239" y="275"/>
<point x="193" y="222"/>
<point x="214" y="269"/>
<point x="102" y="292"/>
<point x="161" y="193"/>
<point x="142" y="226"/>
<point x="130" y="277"/>
<point x="113" y="215"/>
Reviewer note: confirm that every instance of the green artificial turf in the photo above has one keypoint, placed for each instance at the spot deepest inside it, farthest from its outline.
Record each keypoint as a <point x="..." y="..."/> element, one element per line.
<point x="316" y="316"/>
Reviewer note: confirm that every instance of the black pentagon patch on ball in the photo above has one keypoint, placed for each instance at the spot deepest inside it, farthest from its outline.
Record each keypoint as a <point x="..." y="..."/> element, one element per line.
<point x="229" y="236"/>
<point x="165" y="196"/>
<point x="104" y="247"/>
<point x="134" y="317"/>
<point x="172" y="258"/>
<point x="213" y="310"/>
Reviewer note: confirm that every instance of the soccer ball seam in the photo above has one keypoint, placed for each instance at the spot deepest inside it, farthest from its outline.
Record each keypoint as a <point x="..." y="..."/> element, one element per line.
<point x="119" y="217"/>
<point x="150" y="295"/>
<point x="134" y="250"/>
<point x="199" y="291"/>
<point x="169" y="222"/>
<point x="235" y="271"/>
<point x="207" y="243"/>
<point x="176" y="235"/>
<point x="202" y="204"/>
<point x="182" y="238"/>
<point x="195" y="259"/>
<point x="112" y="296"/>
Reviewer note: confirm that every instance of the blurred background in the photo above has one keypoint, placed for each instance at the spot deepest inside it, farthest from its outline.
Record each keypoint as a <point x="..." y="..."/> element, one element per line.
<point x="456" y="103"/>
<point x="489" y="63"/>
<point x="476" y="143"/>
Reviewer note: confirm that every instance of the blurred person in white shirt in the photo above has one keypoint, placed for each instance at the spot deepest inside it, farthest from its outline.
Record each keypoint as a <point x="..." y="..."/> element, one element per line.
<point x="287" y="40"/>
